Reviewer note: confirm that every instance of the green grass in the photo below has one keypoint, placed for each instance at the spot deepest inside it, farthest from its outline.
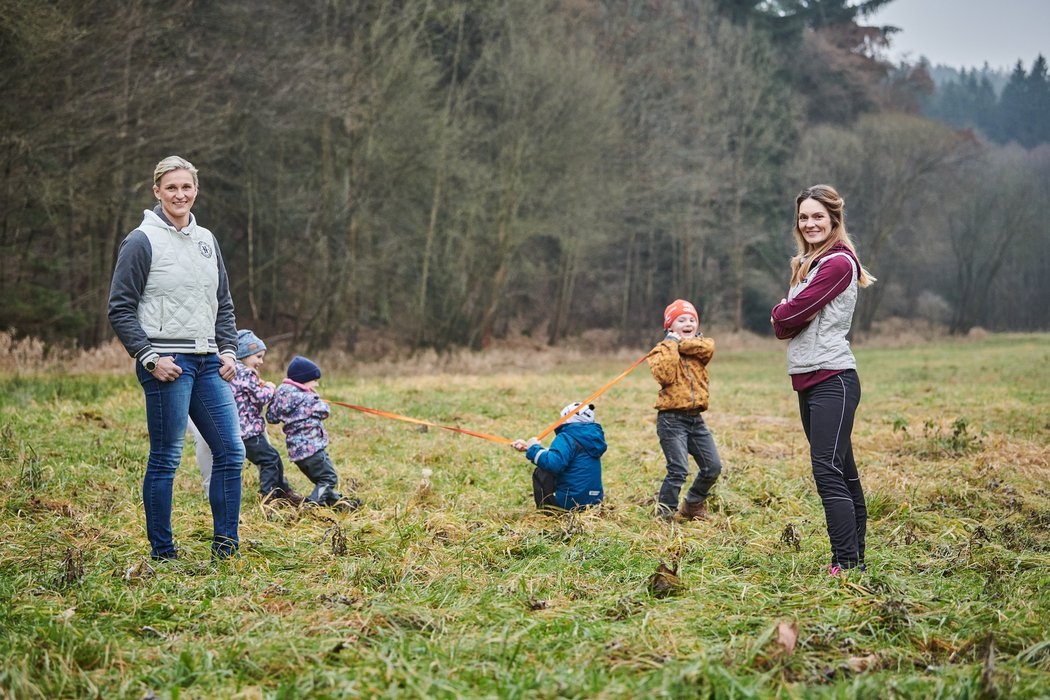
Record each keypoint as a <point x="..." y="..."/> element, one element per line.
<point x="466" y="591"/>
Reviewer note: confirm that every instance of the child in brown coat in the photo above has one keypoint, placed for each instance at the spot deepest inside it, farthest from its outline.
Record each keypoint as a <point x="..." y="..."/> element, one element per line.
<point x="679" y="364"/>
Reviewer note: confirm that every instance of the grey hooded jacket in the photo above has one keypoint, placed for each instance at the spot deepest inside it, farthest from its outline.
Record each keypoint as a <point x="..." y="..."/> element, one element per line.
<point x="170" y="293"/>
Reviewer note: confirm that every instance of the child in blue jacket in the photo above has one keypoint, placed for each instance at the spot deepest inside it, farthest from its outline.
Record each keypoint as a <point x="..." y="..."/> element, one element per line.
<point x="568" y="475"/>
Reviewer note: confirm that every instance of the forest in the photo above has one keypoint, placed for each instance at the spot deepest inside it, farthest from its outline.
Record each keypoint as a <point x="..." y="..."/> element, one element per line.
<point x="449" y="172"/>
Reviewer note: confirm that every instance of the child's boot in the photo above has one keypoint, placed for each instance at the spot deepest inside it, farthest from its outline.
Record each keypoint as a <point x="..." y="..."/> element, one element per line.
<point x="293" y="497"/>
<point x="664" y="512"/>
<point x="694" y="511"/>
<point x="347" y="505"/>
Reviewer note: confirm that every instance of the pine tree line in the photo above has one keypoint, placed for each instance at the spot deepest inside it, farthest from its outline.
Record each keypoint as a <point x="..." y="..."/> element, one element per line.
<point x="1017" y="115"/>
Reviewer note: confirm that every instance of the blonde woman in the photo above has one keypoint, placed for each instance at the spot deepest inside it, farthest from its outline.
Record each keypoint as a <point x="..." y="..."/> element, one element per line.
<point x="170" y="305"/>
<point x="816" y="316"/>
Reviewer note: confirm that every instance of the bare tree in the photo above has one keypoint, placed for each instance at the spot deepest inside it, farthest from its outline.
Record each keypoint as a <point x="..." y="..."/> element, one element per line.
<point x="1000" y="211"/>
<point x="549" y="110"/>
<point x="886" y="167"/>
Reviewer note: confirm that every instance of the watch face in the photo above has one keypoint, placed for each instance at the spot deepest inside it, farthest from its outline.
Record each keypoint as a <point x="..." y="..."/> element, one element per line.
<point x="150" y="366"/>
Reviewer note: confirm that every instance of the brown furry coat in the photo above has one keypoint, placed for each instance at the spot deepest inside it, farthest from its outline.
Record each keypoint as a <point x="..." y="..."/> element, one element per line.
<point x="681" y="369"/>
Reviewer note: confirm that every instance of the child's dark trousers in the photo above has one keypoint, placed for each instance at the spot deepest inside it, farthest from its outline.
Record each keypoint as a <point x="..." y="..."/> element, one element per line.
<point x="543" y="488"/>
<point x="261" y="453"/>
<point x="318" y="469"/>
<point x="684" y="433"/>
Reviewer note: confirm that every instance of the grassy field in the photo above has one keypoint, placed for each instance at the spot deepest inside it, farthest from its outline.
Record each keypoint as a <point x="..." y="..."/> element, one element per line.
<point x="462" y="590"/>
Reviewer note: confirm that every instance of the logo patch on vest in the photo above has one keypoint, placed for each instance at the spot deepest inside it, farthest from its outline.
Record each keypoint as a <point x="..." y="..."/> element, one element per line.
<point x="204" y="248"/>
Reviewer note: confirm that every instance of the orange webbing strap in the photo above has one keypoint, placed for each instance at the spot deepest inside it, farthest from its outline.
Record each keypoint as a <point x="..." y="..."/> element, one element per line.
<point x="590" y="398"/>
<point x="385" y="414"/>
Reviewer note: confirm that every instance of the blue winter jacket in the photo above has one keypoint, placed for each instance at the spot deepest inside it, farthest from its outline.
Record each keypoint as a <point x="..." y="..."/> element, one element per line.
<point x="575" y="460"/>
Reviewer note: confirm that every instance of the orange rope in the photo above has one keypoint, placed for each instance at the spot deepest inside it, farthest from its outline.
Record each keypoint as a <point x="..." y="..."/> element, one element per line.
<point x="590" y="398"/>
<point x="417" y="421"/>
<point x="485" y="436"/>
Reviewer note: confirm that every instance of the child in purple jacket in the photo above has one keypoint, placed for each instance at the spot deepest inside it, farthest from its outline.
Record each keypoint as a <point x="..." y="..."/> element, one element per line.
<point x="252" y="394"/>
<point x="301" y="411"/>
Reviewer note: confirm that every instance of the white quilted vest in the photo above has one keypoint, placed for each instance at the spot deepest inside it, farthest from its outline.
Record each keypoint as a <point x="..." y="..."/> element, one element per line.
<point x="823" y="344"/>
<point x="179" y="301"/>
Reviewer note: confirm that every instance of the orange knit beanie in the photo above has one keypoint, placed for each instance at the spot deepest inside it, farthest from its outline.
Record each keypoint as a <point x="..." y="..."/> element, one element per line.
<point x="676" y="308"/>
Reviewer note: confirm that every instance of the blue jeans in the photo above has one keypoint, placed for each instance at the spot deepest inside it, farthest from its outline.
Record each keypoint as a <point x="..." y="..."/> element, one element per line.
<point x="682" y="434"/>
<point x="201" y="394"/>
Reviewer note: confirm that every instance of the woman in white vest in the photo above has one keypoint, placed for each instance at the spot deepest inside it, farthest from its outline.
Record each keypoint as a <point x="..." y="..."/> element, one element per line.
<point x="170" y="306"/>
<point x="816" y="316"/>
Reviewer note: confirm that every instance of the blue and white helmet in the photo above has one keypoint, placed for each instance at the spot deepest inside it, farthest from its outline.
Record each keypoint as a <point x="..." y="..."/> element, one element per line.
<point x="584" y="415"/>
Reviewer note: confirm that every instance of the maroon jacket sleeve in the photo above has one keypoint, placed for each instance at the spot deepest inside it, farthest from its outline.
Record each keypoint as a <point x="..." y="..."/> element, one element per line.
<point x="791" y="317"/>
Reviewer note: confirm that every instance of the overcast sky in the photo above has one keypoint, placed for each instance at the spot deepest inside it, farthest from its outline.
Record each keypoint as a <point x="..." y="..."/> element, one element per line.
<point x="966" y="33"/>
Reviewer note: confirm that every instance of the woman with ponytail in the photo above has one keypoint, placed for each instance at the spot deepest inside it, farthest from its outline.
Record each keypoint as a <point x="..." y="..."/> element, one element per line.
<point x="816" y="317"/>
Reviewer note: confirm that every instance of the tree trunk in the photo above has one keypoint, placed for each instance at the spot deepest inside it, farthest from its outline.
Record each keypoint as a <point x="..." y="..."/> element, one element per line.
<point x="435" y="199"/>
<point x="507" y="216"/>
<point x="566" y="287"/>
<point x="737" y="262"/>
<point x="250" y="186"/>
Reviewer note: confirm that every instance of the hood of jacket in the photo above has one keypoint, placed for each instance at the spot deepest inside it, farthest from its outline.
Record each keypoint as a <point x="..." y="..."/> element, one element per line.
<point x="589" y="436"/>
<point x="157" y="217"/>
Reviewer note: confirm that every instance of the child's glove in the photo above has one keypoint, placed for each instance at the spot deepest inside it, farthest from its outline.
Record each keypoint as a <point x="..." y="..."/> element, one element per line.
<point x="673" y="336"/>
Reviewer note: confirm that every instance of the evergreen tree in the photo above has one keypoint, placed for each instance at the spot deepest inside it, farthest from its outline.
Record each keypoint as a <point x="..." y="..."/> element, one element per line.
<point x="786" y="19"/>
<point x="832" y="58"/>
<point x="1010" y="105"/>
<point x="1024" y="106"/>
<point x="968" y="102"/>
<point x="985" y="103"/>
<point x="1036" y="110"/>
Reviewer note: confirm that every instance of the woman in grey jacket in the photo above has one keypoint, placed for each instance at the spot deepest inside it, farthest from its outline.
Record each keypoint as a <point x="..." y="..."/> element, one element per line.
<point x="170" y="305"/>
<point x="816" y="317"/>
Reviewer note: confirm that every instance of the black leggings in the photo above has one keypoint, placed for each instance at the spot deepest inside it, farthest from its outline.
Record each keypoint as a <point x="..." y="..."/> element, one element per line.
<point x="827" y="411"/>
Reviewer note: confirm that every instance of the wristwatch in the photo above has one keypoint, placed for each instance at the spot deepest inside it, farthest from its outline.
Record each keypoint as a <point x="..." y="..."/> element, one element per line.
<point x="151" y="363"/>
